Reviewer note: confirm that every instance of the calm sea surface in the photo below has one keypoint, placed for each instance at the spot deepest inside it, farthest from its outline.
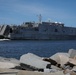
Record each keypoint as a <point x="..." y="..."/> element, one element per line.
<point x="14" y="49"/>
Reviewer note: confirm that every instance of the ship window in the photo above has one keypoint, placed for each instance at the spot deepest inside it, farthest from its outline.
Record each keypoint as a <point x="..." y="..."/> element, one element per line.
<point x="56" y="30"/>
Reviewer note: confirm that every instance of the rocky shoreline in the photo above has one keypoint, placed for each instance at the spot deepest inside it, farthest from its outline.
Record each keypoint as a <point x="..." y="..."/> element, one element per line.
<point x="30" y="64"/>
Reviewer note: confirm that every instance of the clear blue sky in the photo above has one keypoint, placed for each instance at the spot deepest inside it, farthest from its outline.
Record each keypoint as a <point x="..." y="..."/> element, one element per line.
<point x="19" y="11"/>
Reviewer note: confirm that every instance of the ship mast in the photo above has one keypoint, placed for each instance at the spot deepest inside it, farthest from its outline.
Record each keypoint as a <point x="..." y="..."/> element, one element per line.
<point x="40" y="18"/>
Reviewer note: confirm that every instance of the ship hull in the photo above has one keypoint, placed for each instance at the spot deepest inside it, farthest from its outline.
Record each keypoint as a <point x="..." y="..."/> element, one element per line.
<point x="43" y="37"/>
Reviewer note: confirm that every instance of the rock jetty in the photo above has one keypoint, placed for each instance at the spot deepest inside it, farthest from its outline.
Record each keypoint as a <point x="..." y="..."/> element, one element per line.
<point x="31" y="64"/>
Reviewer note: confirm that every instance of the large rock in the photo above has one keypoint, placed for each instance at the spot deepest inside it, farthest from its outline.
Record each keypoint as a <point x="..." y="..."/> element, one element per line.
<point x="8" y="62"/>
<point x="7" y="65"/>
<point x="72" y="61"/>
<point x="12" y="60"/>
<point x="72" y="53"/>
<point x="61" y="58"/>
<point x="33" y="60"/>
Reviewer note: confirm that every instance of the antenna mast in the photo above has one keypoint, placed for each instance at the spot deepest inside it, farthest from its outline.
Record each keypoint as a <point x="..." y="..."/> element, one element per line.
<point x="40" y="18"/>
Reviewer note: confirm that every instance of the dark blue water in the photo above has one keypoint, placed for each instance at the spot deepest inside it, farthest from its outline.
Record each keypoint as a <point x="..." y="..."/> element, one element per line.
<point x="15" y="49"/>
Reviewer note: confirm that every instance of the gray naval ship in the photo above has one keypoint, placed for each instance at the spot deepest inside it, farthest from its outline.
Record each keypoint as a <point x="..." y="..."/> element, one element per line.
<point x="38" y="31"/>
<point x="43" y="31"/>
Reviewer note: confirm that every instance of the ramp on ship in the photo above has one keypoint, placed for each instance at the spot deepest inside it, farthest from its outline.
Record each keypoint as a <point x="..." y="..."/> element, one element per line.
<point x="4" y="31"/>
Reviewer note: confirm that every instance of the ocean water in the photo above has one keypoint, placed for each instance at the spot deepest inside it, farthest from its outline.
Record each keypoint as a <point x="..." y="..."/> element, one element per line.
<point x="14" y="49"/>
